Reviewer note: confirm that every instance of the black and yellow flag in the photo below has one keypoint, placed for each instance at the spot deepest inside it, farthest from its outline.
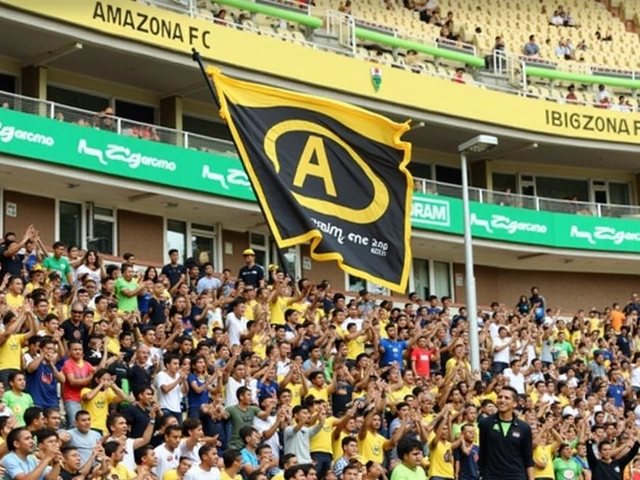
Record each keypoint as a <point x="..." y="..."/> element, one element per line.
<point x="325" y="172"/>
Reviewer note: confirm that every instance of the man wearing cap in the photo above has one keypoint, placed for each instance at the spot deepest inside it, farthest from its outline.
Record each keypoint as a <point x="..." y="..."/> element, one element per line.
<point x="251" y="273"/>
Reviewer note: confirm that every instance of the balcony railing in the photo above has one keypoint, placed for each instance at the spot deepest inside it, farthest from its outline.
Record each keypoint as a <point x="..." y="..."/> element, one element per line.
<point x="121" y="126"/>
<point x="154" y="133"/>
<point x="507" y="199"/>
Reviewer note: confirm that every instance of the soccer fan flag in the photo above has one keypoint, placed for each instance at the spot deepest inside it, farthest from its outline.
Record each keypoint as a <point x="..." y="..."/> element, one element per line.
<point x="328" y="173"/>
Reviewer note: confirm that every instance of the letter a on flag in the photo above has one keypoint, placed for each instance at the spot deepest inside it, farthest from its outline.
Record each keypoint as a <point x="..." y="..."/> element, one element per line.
<point x="328" y="173"/>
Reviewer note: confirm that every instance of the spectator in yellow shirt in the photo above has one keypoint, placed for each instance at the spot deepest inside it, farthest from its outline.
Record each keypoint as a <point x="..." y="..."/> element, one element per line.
<point x="232" y="465"/>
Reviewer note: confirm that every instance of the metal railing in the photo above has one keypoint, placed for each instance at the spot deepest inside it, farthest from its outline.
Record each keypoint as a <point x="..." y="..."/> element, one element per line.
<point x="121" y="126"/>
<point x="179" y="138"/>
<point x="528" y="202"/>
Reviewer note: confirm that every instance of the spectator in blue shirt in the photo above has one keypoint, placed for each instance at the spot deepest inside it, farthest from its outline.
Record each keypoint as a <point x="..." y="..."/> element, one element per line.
<point x="531" y="49"/>
<point x="466" y="455"/>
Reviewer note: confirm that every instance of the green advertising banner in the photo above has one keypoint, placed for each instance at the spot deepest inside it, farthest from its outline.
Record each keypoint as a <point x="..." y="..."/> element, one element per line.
<point x="510" y="224"/>
<point x="104" y="152"/>
<point x="108" y="153"/>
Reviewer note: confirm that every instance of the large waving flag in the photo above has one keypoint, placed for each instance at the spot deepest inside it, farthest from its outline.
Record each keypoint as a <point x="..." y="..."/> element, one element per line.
<point x="328" y="173"/>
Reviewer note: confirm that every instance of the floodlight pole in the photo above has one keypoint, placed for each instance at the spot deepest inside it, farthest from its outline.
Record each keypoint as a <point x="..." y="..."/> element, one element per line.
<point x="470" y="290"/>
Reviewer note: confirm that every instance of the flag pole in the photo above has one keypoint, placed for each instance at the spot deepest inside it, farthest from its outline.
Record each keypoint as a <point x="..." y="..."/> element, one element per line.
<point x="196" y="57"/>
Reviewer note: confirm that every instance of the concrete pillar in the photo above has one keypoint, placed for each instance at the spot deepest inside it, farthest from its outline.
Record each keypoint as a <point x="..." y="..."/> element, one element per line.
<point x="34" y="82"/>
<point x="481" y="174"/>
<point x="171" y="112"/>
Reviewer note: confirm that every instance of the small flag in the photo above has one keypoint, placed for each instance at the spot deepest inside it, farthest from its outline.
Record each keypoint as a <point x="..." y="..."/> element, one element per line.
<point x="328" y="173"/>
<point x="376" y="77"/>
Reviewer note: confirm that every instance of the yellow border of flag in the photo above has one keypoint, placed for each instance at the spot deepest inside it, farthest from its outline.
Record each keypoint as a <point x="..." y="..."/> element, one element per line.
<point x="389" y="133"/>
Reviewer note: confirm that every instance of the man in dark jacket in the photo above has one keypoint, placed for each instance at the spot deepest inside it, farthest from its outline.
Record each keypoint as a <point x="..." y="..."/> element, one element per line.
<point x="506" y="450"/>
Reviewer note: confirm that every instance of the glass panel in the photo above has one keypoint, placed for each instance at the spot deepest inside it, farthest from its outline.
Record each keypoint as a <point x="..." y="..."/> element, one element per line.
<point x="105" y="212"/>
<point x="133" y="111"/>
<point x="442" y="279"/>
<point x="420" y="170"/>
<point x="200" y="226"/>
<point x="421" y="277"/>
<point x="102" y="240"/>
<point x="600" y="196"/>
<point x="86" y="101"/>
<point x="356" y="284"/>
<point x="257" y="239"/>
<point x="503" y="182"/>
<point x="261" y="259"/>
<point x="448" y="175"/>
<point x="619" y="193"/>
<point x="202" y="248"/>
<point x="177" y="237"/>
<point x="7" y="83"/>
<point x="71" y="223"/>
<point x="205" y="127"/>
<point x="562" y="188"/>
<point x="290" y="257"/>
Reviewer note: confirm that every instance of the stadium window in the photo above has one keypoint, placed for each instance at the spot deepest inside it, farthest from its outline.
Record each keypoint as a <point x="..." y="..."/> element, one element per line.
<point x="135" y="112"/>
<point x="289" y="260"/>
<point x="504" y="181"/>
<point x="77" y="99"/>
<point x="420" y="170"/>
<point x="448" y="175"/>
<point x="177" y="237"/>
<point x="69" y="223"/>
<point x="259" y="242"/>
<point x="442" y="279"/>
<point x="619" y="193"/>
<point x="103" y="230"/>
<point x="355" y="284"/>
<point x="562" y="188"/>
<point x="203" y="244"/>
<point x="8" y="83"/>
<point x="208" y="128"/>
<point x="431" y="277"/>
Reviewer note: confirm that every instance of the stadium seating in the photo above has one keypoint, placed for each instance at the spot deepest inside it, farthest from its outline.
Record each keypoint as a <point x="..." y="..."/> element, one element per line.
<point x="514" y="22"/>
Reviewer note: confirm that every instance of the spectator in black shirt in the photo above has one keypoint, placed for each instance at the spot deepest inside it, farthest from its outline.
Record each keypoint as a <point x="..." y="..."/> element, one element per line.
<point x="137" y="415"/>
<point x="251" y="273"/>
<point x="74" y="327"/>
<point x="174" y="271"/>
<point x="605" y="467"/>
<point x="10" y="260"/>
<point x="140" y="372"/>
<point x="157" y="304"/>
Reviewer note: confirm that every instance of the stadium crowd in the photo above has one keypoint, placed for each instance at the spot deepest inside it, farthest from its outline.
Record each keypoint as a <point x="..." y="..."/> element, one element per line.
<point x="191" y="374"/>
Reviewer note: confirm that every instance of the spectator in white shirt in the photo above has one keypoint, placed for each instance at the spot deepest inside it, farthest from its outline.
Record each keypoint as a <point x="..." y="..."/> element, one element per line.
<point x="208" y="282"/>
<point x="501" y="350"/>
<point x="207" y="470"/>
<point x="236" y="323"/>
<point x="515" y="377"/>
<point x="172" y="385"/>
<point x="167" y="453"/>
<point x="603" y="95"/>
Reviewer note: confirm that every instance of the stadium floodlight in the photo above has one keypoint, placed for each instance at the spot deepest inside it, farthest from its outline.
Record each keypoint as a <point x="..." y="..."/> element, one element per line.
<point x="479" y="144"/>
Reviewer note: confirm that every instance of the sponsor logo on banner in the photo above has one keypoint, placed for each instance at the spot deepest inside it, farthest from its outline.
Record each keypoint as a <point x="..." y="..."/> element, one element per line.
<point x="430" y="211"/>
<point x="233" y="176"/>
<point x="604" y="234"/>
<point x="119" y="153"/>
<point x="9" y="133"/>
<point x="503" y="222"/>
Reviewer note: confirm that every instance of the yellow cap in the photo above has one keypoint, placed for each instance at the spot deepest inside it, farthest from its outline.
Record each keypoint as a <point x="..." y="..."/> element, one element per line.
<point x="248" y="251"/>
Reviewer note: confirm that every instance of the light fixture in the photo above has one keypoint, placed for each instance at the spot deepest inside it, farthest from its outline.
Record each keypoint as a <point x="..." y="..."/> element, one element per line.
<point x="479" y="144"/>
<point x="169" y="205"/>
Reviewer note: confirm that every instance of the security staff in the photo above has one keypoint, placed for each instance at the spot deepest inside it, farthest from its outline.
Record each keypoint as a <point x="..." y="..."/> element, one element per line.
<point x="506" y="451"/>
